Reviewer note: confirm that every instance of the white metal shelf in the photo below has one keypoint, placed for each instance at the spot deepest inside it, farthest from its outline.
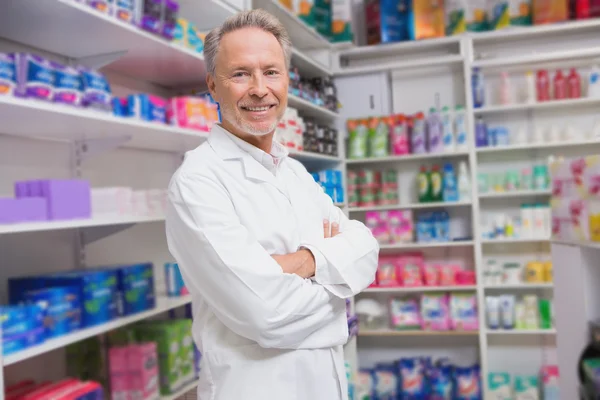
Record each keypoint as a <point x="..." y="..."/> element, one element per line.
<point x="163" y="304"/>
<point x="401" y="64"/>
<point x="186" y="388"/>
<point x="407" y="157"/>
<point x="414" y="206"/>
<point x="546" y="105"/>
<point x="40" y="119"/>
<point x="520" y="286"/>
<point x="307" y="66"/>
<point x="538" y="58"/>
<point x="89" y="37"/>
<point x="585" y="244"/>
<point x="308" y="109"/>
<point x="538" y="146"/>
<point x="420" y="289"/>
<point x="515" y="240"/>
<point x="425" y="245"/>
<point x="515" y="193"/>
<point x="308" y="157"/>
<point x="390" y="332"/>
<point x="523" y="332"/>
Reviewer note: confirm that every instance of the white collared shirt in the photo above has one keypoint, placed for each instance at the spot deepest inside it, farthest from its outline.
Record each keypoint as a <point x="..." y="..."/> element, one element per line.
<point x="263" y="334"/>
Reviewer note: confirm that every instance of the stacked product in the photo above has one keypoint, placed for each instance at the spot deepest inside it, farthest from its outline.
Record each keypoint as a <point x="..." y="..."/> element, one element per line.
<point x="439" y="185"/>
<point x="290" y="129"/>
<point x="419" y="378"/>
<point x="397" y="21"/>
<point x="320" y="139"/>
<point x="432" y="227"/>
<point x="509" y="312"/>
<point x="368" y="188"/>
<point x="528" y="178"/>
<point x="401" y="134"/>
<point x="390" y="227"/>
<point x="502" y="386"/>
<point x="435" y="311"/>
<point x="133" y="371"/>
<point x="123" y="201"/>
<point x="34" y="77"/>
<point x="410" y="270"/>
<point x="319" y="91"/>
<point x="575" y="199"/>
<point x="515" y="273"/>
<point x="319" y="15"/>
<point x="174" y="280"/>
<point x="331" y="182"/>
<point x="47" y="200"/>
<point x="68" y="301"/>
<point x="65" y="389"/>
<point x="534" y="222"/>
<point x="187" y="35"/>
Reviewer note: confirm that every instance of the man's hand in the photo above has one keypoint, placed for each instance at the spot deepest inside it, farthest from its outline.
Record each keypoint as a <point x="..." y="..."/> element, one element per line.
<point x="302" y="262"/>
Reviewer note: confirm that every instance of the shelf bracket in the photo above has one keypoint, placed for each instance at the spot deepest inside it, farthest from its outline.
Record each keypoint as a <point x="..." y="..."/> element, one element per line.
<point x="90" y="147"/>
<point x="99" y="60"/>
<point x="91" y="235"/>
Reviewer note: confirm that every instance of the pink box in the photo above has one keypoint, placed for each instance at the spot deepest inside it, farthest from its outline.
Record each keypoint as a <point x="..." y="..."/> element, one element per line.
<point x="188" y="112"/>
<point x="143" y="371"/>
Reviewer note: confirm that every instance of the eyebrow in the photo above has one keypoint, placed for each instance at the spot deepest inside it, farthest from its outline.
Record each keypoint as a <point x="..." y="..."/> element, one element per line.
<point x="244" y="68"/>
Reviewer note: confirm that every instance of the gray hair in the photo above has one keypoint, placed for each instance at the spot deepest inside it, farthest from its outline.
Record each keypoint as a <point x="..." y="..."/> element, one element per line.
<point x="247" y="19"/>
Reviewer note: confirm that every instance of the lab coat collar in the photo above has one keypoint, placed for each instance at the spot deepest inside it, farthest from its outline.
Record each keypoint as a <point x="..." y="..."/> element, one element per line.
<point x="227" y="149"/>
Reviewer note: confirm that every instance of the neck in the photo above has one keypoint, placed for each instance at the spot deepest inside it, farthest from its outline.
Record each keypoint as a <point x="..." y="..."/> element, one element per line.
<point x="263" y="142"/>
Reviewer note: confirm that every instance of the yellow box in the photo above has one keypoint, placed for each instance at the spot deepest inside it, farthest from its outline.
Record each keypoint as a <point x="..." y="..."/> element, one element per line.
<point x="428" y="19"/>
<point x="535" y="272"/>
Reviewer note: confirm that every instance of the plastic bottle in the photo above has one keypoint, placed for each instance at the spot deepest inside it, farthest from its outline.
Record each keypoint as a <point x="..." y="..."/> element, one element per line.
<point x="539" y="216"/>
<point x="450" y="184"/>
<point x="478" y="87"/>
<point x="436" y="184"/>
<point x="594" y="82"/>
<point x="526" y="221"/>
<point x="448" y="131"/>
<point x="531" y="95"/>
<point x="460" y="129"/>
<point x="574" y="84"/>
<point x="423" y="186"/>
<point x="543" y="85"/>
<point x="464" y="182"/>
<point x="435" y="130"/>
<point x="505" y="88"/>
<point x="560" y="86"/>
<point x="418" y="137"/>
<point x="481" y="135"/>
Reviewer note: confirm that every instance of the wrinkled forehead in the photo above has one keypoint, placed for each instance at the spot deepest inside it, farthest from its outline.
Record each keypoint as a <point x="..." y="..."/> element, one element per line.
<point x="249" y="48"/>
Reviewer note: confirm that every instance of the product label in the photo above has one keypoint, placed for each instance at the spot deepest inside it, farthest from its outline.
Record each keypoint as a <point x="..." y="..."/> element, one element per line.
<point x="40" y="79"/>
<point x="7" y="74"/>
<point x="436" y="184"/>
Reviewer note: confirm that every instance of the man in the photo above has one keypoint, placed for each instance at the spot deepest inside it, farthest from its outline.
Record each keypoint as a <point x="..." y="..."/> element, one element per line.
<point x="267" y="257"/>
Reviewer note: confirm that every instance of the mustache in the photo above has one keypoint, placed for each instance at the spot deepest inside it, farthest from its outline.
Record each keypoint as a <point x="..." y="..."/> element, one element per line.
<point x="258" y="104"/>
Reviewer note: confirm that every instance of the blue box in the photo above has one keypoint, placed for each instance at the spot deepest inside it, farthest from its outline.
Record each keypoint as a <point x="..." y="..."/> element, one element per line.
<point x="97" y="292"/>
<point x="174" y="279"/>
<point x="147" y="108"/>
<point x="22" y="327"/>
<point x="135" y="288"/>
<point x="61" y="307"/>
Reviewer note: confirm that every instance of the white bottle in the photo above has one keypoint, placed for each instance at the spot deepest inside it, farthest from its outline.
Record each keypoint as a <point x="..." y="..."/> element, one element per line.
<point x="526" y="221"/>
<point x="594" y="82"/>
<point x="460" y="129"/>
<point x="448" y="131"/>
<point x="464" y="182"/>
<point x="505" y="88"/>
<point x="530" y="94"/>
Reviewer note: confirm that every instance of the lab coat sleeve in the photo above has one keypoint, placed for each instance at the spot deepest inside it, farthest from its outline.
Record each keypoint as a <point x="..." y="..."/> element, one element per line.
<point x="345" y="264"/>
<point x="244" y="286"/>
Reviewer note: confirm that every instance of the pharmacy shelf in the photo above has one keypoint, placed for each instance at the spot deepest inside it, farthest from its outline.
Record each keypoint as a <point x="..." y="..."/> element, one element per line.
<point x="307" y="66"/>
<point x="407" y="157"/>
<point x="341" y="205"/>
<point x="537" y="146"/>
<point x="389" y="332"/>
<point x="163" y="304"/>
<point x="416" y="245"/>
<point x="420" y="289"/>
<point x="303" y="36"/>
<point x="520" y="286"/>
<point x="515" y="193"/>
<point x="515" y="240"/>
<point x="309" y="158"/>
<point x="401" y="64"/>
<point x="206" y="14"/>
<point x="40" y="119"/>
<point x="414" y="206"/>
<point x="77" y="223"/>
<point x="523" y="60"/>
<point x="308" y="109"/>
<point x="583" y="243"/>
<point x="547" y="105"/>
<point x="523" y="332"/>
<point x="181" y="392"/>
<point x="94" y="39"/>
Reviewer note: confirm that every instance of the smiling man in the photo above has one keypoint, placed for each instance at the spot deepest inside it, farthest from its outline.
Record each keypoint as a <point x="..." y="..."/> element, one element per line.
<point x="267" y="257"/>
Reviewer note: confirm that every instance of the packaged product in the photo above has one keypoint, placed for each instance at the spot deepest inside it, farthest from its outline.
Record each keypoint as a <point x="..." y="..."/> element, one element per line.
<point x="387" y="21"/>
<point x="492" y="311"/>
<point x="550" y="388"/>
<point x="409" y="267"/>
<point x="67" y="85"/>
<point x="550" y="11"/>
<point x="399" y="138"/>
<point x="358" y="136"/>
<point x="306" y="11"/>
<point x="96" y="90"/>
<point x="520" y="13"/>
<point x="498" y="14"/>
<point x="412" y="378"/>
<point x="431" y="275"/>
<point x="8" y="75"/>
<point x="387" y="272"/>
<point x="400" y="226"/>
<point x="341" y="25"/>
<point x="61" y="307"/>
<point x="468" y="383"/>
<point x="34" y="76"/>
<point x="499" y="386"/>
<point x="404" y="314"/>
<point x="378" y="137"/>
<point x="434" y="312"/>
<point x="526" y="388"/>
<point x="545" y="307"/>
<point x="385" y="382"/>
<point x="440" y="382"/>
<point x="365" y="382"/>
<point x="427" y="19"/>
<point x="463" y="311"/>
<point x="378" y="226"/>
<point x="507" y="310"/>
<point x="323" y="17"/>
<point x="465" y="15"/>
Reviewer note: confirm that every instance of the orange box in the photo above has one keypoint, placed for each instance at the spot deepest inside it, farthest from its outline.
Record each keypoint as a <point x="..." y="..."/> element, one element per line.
<point x="550" y="11"/>
<point x="428" y="19"/>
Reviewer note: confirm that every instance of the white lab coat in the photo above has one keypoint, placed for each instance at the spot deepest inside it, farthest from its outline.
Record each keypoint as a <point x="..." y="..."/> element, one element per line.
<point x="264" y="335"/>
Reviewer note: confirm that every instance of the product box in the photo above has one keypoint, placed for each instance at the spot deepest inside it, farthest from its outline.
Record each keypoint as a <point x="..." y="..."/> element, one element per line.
<point x="174" y="279"/>
<point x="135" y="288"/>
<point x="143" y="371"/>
<point x="87" y="360"/>
<point x="387" y="21"/>
<point x="341" y="25"/>
<point x="550" y="11"/>
<point x="172" y="347"/>
<point x="465" y="15"/>
<point x="188" y="112"/>
<point x="148" y="108"/>
<point x="306" y="12"/>
<point x="323" y="17"/>
<point x="61" y="307"/>
<point x="8" y="76"/>
<point x="427" y="19"/>
<point x="22" y="327"/>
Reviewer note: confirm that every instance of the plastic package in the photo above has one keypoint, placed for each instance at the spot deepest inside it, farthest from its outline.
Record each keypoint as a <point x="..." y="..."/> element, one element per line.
<point x="434" y="312"/>
<point x="499" y="386"/>
<point x="431" y="275"/>
<point x="410" y="267"/>
<point x="412" y="379"/>
<point x="463" y="311"/>
<point x="526" y="388"/>
<point x="468" y="383"/>
<point x="507" y="309"/>
<point x="492" y="310"/>
<point x="385" y="382"/>
<point x="387" y="272"/>
<point x="404" y="314"/>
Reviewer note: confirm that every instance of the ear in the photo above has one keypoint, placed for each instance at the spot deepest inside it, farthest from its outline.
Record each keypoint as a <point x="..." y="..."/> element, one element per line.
<point x="210" y="82"/>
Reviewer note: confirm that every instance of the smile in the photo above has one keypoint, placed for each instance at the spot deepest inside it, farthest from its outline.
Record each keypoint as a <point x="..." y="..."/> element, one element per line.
<point x="258" y="109"/>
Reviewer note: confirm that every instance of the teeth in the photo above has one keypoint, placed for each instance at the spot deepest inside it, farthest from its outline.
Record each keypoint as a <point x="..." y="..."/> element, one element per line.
<point x="257" y="108"/>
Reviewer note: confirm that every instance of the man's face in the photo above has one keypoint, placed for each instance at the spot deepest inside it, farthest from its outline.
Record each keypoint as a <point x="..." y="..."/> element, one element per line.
<point x="251" y="82"/>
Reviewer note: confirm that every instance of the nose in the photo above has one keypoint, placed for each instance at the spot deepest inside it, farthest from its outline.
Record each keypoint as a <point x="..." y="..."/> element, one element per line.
<point x="258" y="86"/>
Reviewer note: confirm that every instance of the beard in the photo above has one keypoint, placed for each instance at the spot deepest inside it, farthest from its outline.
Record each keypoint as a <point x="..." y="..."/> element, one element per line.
<point x="262" y="128"/>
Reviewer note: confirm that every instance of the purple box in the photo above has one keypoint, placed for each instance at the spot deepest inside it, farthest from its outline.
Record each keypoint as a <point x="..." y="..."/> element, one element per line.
<point x="169" y="22"/>
<point x="67" y="199"/>
<point x="35" y="77"/>
<point x="151" y="12"/>
<point x="27" y="209"/>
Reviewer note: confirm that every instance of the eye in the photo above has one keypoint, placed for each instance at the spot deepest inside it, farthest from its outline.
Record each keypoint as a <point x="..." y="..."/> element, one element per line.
<point x="272" y="73"/>
<point x="239" y="74"/>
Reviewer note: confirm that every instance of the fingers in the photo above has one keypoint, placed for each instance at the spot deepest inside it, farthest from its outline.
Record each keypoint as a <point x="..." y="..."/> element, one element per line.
<point x="335" y="229"/>
<point x="326" y="229"/>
